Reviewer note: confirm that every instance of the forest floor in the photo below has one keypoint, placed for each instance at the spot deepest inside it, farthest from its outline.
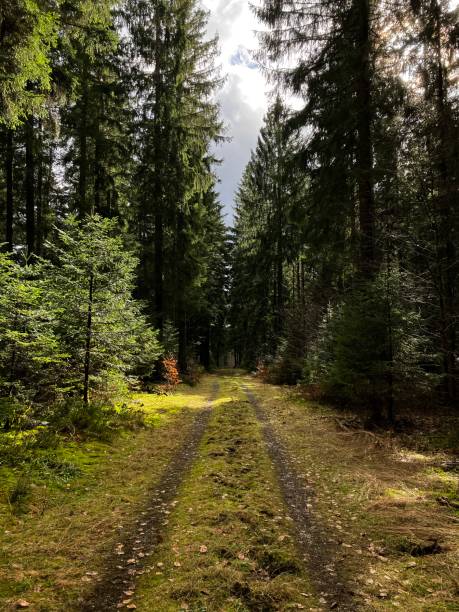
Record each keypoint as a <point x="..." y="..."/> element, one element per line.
<point x="236" y="496"/>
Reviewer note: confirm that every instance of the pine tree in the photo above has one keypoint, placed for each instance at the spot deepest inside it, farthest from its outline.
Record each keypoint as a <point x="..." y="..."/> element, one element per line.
<point x="436" y="137"/>
<point x="96" y="123"/>
<point x="268" y="202"/>
<point x="31" y="358"/>
<point x="101" y="327"/>
<point x="177" y="124"/>
<point x="28" y="33"/>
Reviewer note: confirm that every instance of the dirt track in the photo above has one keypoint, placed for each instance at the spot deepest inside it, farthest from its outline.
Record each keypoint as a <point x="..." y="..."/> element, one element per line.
<point x="135" y="548"/>
<point x="311" y="538"/>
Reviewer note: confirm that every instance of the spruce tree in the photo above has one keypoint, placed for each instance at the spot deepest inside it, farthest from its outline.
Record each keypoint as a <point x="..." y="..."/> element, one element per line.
<point x="177" y="125"/>
<point x="100" y="326"/>
<point x="268" y="203"/>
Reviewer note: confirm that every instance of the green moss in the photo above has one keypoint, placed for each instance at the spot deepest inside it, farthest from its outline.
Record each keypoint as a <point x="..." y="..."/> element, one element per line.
<point x="81" y="491"/>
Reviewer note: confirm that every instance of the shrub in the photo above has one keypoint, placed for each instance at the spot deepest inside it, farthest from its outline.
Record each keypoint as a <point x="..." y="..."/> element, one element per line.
<point x="50" y="466"/>
<point x="12" y="414"/>
<point x="370" y="347"/>
<point x="98" y="420"/>
<point x="20" y="493"/>
<point x="286" y="368"/>
<point x="170" y="373"/>
<point x="262" y="371"/>
<point x="193" y="373"/>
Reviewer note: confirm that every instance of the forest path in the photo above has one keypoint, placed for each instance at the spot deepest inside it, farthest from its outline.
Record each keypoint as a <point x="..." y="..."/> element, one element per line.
<point x="229" y="546"/>
<point x="238" y="496"/>
<point x="284" y="510"/>
<point x="137" y="546"/>
<point x="311" y="537"/>
<point x="231" y="526"/>
<point x="268" y="506"/>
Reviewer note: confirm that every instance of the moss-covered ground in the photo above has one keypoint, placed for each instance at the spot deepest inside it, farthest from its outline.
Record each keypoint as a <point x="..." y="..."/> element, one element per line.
<point x="229" y="544"/>
<point x="62" y="513"/>
<point x="386" y="510"/>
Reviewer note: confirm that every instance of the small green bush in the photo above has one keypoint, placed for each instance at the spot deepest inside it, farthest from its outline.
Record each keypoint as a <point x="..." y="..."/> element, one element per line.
<point x="19" y="494"/>
<point x="51" y="467"/>
<point x="193" y="374"/>
<point x="285" y="368"/>
<point x="13" y="414"/>
<point x="99" y="420"/>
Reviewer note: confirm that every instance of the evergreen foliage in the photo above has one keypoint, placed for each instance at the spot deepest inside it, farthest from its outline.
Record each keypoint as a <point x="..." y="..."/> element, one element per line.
<point x="342" y="268"/>
<point x="71" y="326"/>
<point x="29" y="33"/>
<point x="269" y="202"/>
<point x="100" y="326"/>
<point x="370" y="278"/>
<point x="31" y="356"/>
<point x="107" y="120"/>
<point x="179" y="122"/>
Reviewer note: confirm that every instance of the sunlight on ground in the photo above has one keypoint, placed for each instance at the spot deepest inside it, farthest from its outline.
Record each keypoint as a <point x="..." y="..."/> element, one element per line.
<point x="158" y="408"/>
<point x="407" y="456"/>
<point x="78" y="497"/>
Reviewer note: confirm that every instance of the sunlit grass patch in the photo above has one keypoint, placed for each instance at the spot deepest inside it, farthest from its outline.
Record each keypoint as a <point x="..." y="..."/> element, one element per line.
<point x="159" y="409"/>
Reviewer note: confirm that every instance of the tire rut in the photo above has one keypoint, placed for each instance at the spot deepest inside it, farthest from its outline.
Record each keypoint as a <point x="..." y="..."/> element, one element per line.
<point x="311" y="537"/>
<point x="134" y="549"/>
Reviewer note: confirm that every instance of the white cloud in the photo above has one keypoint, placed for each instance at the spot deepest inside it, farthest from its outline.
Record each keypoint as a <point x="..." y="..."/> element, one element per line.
<point x="243" y="98"/>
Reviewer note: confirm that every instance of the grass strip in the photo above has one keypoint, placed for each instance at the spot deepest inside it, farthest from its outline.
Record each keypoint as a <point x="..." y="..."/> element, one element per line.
<point x="229" y="544"/>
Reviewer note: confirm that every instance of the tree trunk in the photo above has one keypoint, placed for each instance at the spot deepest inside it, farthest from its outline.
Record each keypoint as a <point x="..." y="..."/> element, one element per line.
<point x="102" y="203"/>
<point x="159" y="265"/>
<point x="364" y="152"/>
<point x="40" y="221"/>
<point x="179" y="290"/>
<point x="445" y="202"/>
<point x="87" y="356"/>
<point x="98" y="178"/>
<point x="158" y="190"/>
<point x="47" y="190"/>
<point x="182" y="343"/>
<point x="279" y="269"/>
<point x="30" y="186"/>
<point x="205" y="349"/>
<point x="9" y="159"/>
<point x="83" y="140"/>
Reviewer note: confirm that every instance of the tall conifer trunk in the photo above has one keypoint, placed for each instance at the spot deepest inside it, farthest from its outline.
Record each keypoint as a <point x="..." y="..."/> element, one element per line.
<point x="278" y="186"/>
<point x="159" y="221"/>
<point x="30" y="185"/>
<point x="364" y="152"/>
<point x="99" y="203"/>
<point x="181" y="311"/>
<point x="9" y="159"/>
<point x="87" y="356"/>
<point x="447" y="266"/>
<point x="40" y="220"/>
<point x="83" y="141"/>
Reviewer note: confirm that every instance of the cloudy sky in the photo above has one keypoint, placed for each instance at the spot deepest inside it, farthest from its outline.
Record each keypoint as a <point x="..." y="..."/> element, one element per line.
<point x="244" y="96"/>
